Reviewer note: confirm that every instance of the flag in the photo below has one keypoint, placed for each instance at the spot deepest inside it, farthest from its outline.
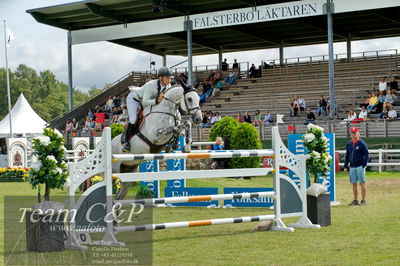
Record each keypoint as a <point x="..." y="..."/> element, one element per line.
<point x="290" y="128"/>
<point x="279" y="119"/>
<point x="9" y="36"/>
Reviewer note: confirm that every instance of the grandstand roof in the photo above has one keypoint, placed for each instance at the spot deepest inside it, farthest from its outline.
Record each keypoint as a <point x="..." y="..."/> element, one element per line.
<point x="361" y="24"/>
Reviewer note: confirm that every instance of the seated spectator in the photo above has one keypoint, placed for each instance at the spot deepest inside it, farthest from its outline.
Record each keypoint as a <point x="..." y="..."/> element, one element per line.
<point x="233" y="76"/>
<point x="366" y="102"/>
<point x="92" y="124"/>
<point x="69" y="127"/>
<point x="235" y="64"/>
<point x="115" y="115"/>
<point x="392" y="112"/>
<point x="253" y="71"/>
<point x="124" y="114"/>
<point x="217" y="88"/>
<point x="109" y="104"/>
<point x="90" y="113"/>
<point x="246" y="118"/>
<point x="302" y="104"/>
<point x="267" y="119"/>
<point x="75" y="126"/>
<point x="217" y="146"/>
<point x="266" y="65"/>
<point x="216" y="117"/>
<point x="381" y="101"/>
<point x="363" y="114"/>
<point x="204" y="122"/>
<point x="217" y="76"/>
<point x="294" y="107"/>
<point x="210" y="116"/>
<point x="389" y="99"/>
<point x="373" y="102"/>
<point x="86" y="127"/>
<point x="208" y="88"/>
<point x="328" y="104"/>
<point x="382" y="84"/>
<point x="321" y="106"/>
<point x="239" y="118"/>
<point x="123" y="102"/>
<point x="116" y="102"/>
<point x="393" y="84"/>
<point x="310" y="117"/>
<point x="202" y="96"/>
<point x="352" y="115"/>
<point x="224" y="65"/>
<point x="257" y="118"/>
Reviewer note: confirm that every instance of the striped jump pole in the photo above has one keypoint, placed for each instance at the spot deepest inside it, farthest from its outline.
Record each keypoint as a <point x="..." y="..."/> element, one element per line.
<point x="211" y="155"/>
<point x="151" y="227"/>
<point x="170" y="200"/>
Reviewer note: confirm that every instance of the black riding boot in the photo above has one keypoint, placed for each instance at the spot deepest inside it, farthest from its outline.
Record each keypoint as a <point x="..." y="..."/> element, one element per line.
<point x="126" y="145"/>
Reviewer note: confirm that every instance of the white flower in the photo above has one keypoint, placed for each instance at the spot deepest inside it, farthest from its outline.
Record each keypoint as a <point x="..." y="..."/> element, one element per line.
<point x="320" y="128"/>
<point x="317" y="155"/>
<point x="58" y="133"/>
<point x="51" y="158"/>
<point x="58" y="170"/>
<point x="310" y="126"/>
<point x="44" y="140"/>
<point x="36" y="165"/>
<point x="309" y="137"/>
<point x="325" y="139"/>
<point x="67" y="182"/>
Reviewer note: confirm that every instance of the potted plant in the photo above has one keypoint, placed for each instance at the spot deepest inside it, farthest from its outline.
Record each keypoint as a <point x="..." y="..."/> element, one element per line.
<point x="318" y="163"/>
<point x="44" y="223"/>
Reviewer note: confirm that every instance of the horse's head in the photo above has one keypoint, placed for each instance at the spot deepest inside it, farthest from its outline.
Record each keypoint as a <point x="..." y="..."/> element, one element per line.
<point x="191" y="103"/>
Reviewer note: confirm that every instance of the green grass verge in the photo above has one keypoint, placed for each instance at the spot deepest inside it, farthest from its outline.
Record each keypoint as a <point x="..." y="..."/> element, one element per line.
<point x="358" y="235"/>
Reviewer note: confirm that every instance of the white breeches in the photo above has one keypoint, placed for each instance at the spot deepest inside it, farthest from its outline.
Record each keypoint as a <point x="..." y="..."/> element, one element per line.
<point x="133" y="107"/>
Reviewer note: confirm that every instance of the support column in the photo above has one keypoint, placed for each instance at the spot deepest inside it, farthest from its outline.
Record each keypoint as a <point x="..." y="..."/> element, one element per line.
<point x="70" y="88"/>
<point x="348" y="47"/>
<point x="220" y="57"/>
<point x="281" y="55"/>
<point x="164" y="59"/>
<point x="333" y="108"/>
<point x="189" y="28"/>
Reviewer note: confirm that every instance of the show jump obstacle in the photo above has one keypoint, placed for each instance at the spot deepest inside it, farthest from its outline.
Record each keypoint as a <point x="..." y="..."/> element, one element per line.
<point x="290" y="199"/>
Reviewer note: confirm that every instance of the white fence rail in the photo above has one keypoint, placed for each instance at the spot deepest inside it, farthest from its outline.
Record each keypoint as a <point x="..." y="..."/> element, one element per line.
<point x="380" y="153"/>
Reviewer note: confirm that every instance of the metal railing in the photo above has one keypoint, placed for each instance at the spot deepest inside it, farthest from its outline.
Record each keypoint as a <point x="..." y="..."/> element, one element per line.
<point x="243" y="66"/>
<point x="340" y="56"/>
<point x="380" y="153"/>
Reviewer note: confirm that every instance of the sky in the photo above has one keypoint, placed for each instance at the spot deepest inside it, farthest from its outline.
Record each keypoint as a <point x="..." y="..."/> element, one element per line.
<point x="44" y="47"/>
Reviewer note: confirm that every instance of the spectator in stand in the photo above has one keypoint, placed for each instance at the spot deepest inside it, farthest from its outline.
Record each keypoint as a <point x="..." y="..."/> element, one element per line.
<point x="215" y="118"/>
<point x="352" y="115"/>
<point x="224" y="65"/>
<point x="267" y="119"/>
<point x="69" y="127"/>
<point x="115" y="115"/>
<point x="86" y="127"/>
<point x="217" y="76"/>
<point x="246" y="118"/>
<point x="202" y="96"/>
<point x="204" y="121"/>
<point x="373" y="101"/>
<point x="207" y="88"/>
<point x="90" y="113"/>
<point x="116" y="102"/>
<point x="109" y="104"/>
<point x="266" y="65"/>
<point x="381" y="101"/>
<point x="310" y="117"/>
<point x="257" y="118"/>
<point x="235" y="64"/>
<point x="75" y="126"/>
<point x="393" y="84"/>
<point x="217" y="88"/>
<point x="363" y="114"/>
<point x="382" y="84"/>
<point x="366" y="102"/>
<point x="321" y="105"/>
<point x="124" y="114"/>
<point x="389" y="99"/>
<point x="253" y="71"/>
<point x="392" y="113"/>
<point x="239" y="118"/>
<point x="92" y="124"/>
<point x="123" y="101"/>
<point x="294" y="106"/>
<point x="210" y="116"/>
<point x="302" y="104"/>
<point x="233" y="76"/>
<point x="97" y="109"/>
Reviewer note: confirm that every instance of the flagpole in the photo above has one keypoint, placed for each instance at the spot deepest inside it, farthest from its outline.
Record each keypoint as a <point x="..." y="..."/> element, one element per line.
<point x="8" y="81"/>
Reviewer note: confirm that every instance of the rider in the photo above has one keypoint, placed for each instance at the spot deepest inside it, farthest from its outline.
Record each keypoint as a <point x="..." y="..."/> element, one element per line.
<point x="151" y="93"/>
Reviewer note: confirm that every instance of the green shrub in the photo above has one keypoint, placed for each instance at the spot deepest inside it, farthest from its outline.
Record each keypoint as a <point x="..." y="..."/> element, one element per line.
<point x="224" y="127"/>
<point x="245" y="137"/>
<point x="116" y="129"/>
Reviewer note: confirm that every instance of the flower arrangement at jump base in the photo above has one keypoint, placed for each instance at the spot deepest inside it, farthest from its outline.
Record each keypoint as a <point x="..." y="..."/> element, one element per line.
<point x="13" y="174"/>
<point x="116" y="182"/>
<point x="50" y="169"/>
<point x="319" y="160"/>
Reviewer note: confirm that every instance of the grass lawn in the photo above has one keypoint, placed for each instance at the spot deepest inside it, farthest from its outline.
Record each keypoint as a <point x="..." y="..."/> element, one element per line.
<point x="358" y="235"/>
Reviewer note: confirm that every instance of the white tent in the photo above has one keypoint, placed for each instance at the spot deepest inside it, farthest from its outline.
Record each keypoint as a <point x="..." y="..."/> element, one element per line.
<point x="24" y="120"/>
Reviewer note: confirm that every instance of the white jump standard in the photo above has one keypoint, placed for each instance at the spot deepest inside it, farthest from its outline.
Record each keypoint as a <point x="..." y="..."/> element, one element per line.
<point x="289" y="197"/>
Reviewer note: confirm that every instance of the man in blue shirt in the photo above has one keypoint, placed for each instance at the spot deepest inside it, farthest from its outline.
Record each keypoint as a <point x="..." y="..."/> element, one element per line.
<point x="357" y="158"/>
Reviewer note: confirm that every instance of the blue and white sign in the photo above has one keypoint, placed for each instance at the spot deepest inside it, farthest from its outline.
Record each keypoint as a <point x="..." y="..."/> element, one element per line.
<point x="296" y="146"/>
<point x="151" y="166"/>
<point x="177" y="165"/>
<point x="254" y="202"/>
<point x="192" y="191"/>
